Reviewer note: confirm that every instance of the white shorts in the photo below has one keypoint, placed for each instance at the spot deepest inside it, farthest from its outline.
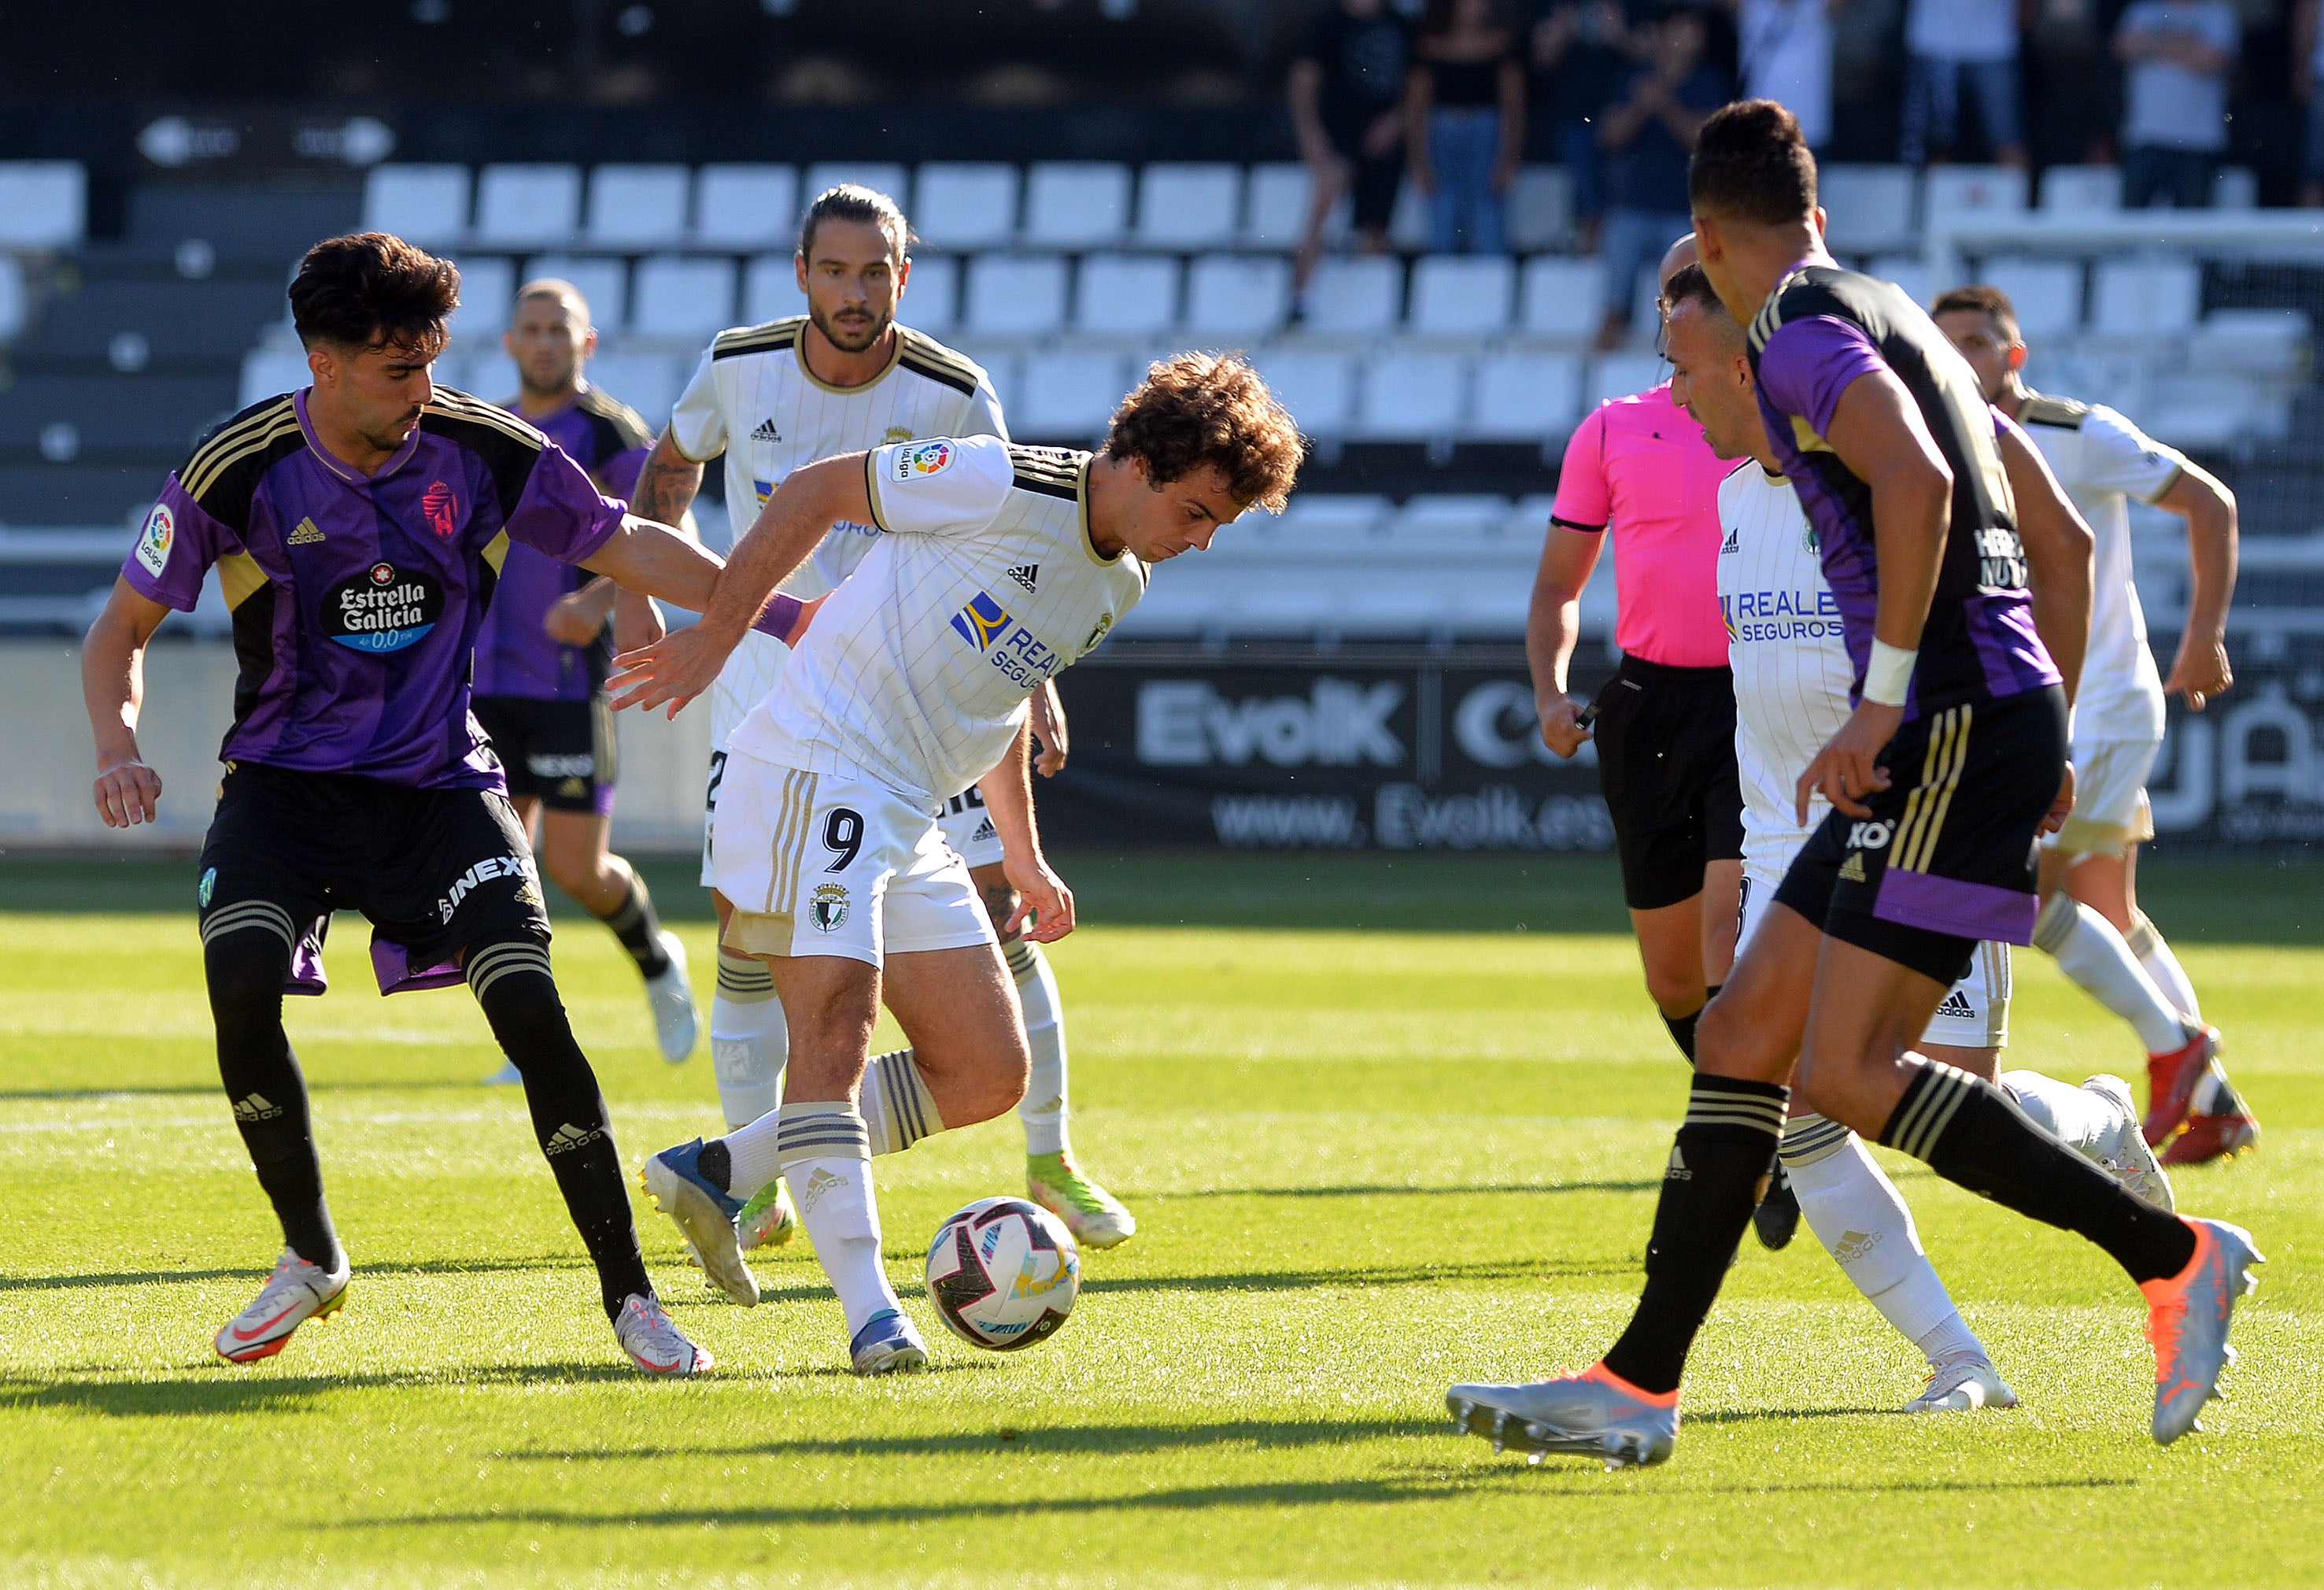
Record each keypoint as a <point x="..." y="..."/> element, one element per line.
<point x="832" y="863"/>
<point x="750" y="672"/>
<point x="1975" y="1011"/>
<point x="2110" y="810"/>
<point x="969" y="830"/>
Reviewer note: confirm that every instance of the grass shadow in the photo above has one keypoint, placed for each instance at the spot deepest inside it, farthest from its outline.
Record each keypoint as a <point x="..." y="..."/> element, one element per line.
<point x="1377" y="1275"/>
<point x="1081" y="1439"/>
<point x="142" y="1278"/>
<point x="1387" y="1190"/>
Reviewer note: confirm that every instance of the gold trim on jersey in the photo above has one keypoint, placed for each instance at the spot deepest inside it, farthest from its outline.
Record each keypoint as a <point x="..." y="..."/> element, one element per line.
<point x="895" y="358"/>
<point x="923" y="356"/>
<point x="459" y="405"/>
<point x="772" y="337"/>
<point x="1940" y="775"/>
<point x="239" y="579"/>
<point x="872" y="487"/>
<point x="597" y="401"/>
<point x="496" y="551"/>
<point x="236" y="442"/>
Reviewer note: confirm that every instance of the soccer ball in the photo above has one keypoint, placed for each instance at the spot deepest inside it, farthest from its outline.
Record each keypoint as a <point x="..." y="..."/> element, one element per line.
<point x="1004" y="1273"/>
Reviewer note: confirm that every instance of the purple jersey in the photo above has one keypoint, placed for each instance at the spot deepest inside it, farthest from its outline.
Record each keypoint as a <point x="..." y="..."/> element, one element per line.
<point x="1820" y="330"/>
<point x="514" y="655"/>
<point x="356" y="598"/>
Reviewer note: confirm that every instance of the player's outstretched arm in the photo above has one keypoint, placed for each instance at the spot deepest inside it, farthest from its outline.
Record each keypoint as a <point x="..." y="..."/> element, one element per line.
<point x="2058" y="549"/>
<point x="654" y="560"/>
<point x="1041" y="895"/>
<point x="1553" y="624"/>
<point x="113" y="683"/>
<point x="2201" y="670"/>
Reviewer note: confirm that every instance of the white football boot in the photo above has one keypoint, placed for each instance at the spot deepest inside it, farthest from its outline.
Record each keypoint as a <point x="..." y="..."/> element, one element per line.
<point x="295" y="1293"/>
<point x="1961" y="1385"/>
<point x="2125" y="1156"/>
<point x="653" y="1341"/>
<point x="676" y="1023"/>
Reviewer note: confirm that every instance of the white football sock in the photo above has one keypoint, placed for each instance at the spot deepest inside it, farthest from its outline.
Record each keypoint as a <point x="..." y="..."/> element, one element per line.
<point x="1044" y="1107"/>
<point x="2147" y="942"/>
<point x="828" y="1161"/>
<point x="1856" y="1213"/>
<point x="2089" y="951"/>
<point x="898" y="1108"/>
<point x="754" y="1155"/>
<point x="2081" y="1119"/>
<point x="749" y="1043"/>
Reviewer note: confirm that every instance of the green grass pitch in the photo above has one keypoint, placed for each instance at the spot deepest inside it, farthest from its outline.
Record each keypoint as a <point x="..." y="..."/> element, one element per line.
<point x="1386" y="1125"/>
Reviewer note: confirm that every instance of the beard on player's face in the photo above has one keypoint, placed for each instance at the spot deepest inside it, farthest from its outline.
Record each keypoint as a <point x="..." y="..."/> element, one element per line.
<point x="851" y="328"/>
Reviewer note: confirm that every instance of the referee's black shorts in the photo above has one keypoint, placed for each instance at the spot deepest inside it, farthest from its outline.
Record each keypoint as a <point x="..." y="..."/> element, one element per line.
<point x="1667" y="765"/>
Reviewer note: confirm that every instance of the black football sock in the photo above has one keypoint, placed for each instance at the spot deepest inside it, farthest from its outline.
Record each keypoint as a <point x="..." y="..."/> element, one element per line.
<point x="1731" y="1128"/>
<point x="634" y="922"/>
<point x="1681" y="1027"/>
<point x="716" y="1164"/>
<point x="1971" y="1132"/>
<point x="245" y="967"/>
<point x="510" y="980"/>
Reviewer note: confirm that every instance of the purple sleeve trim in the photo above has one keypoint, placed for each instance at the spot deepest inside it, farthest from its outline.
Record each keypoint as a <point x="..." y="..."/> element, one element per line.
<point x="1807" y="364"/>
<point x="779" y="617"/>
<point x="561" y="512"/>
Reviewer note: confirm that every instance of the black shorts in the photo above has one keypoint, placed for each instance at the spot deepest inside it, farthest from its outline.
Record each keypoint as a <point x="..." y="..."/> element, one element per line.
<point x="1665" y="742"/>
<point x="1946" y="859"/>
<point x="435" y="869"/>
<point x="1373" y="177"/>
<point x="560" y="752"/>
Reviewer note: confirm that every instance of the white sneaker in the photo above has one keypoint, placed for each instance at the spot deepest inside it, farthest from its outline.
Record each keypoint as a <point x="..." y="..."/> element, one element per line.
<point x="654" y="1343"/>
<point x="2125" y="1155"/>
<point x="295" y="1293"/>
<point x="508" y="1076"/>
<point x="1961" y="1385"/>
<point x="670" y="997"/>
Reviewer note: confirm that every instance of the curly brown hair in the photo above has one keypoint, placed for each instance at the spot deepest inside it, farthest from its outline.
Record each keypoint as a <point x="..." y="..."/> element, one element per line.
<point x="1198" y="409"/>
<point x="373" y="290"/>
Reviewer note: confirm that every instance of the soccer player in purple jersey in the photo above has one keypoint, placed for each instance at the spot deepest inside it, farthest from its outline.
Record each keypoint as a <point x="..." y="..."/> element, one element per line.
<point x="543" y="653"/>
<point x="1952" y="763"/>
<point x="357" y="528"/>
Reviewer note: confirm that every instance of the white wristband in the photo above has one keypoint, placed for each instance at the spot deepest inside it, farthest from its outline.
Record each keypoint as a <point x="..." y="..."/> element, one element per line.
<point x="1889" y="674"/>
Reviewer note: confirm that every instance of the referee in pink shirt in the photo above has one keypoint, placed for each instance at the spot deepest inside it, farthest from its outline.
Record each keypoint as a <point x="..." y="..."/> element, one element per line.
<point x="1640" y="471"/>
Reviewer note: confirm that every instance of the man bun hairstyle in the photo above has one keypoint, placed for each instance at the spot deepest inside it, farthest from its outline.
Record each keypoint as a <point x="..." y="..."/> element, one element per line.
<point x="1751" y="164"/>
<point x="373" y="290"/>
<point x="1195" y="410"/>
<point x="1984" y="301"/>
<point x="852" y="201"/>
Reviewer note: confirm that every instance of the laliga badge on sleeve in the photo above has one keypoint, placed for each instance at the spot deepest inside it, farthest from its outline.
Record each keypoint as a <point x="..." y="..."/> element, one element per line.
<point x="153" y="541"/>
<point x="929" y="457"/>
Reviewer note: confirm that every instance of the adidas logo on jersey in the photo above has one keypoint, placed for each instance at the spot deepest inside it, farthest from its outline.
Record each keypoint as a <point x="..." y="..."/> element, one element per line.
<point x="306" y="535"/>
<point x="765" y="431"/>
<point x="1734" y="541"/>
<point x="1024" y="574"/>
<point x="1957" y="1004"/>
<point x="256" y="1107"/>
<point x="568" y="1137"/>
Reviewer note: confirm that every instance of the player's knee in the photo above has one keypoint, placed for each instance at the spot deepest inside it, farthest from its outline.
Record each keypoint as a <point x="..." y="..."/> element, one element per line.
<point x="511" y="981"/>
<point x="1676" y="991"/>
<point x="245" y="972"/>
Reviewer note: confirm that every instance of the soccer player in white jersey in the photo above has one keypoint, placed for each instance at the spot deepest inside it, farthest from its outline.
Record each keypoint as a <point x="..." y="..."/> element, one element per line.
<point x="847" y="377"/>
<point x="1792" y="677"/>
<point x="914" y="681"/>
<point x="2090" y="920"/>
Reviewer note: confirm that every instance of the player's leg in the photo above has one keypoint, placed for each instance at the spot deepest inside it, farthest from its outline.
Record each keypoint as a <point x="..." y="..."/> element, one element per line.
<point x="2219" y="1124"/>
<point x="576" y="853"/>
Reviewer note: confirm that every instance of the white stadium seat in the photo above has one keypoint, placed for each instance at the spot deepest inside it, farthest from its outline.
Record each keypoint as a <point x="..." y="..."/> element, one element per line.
<point x="1540" y="207"/>
<point x="1067" y="397"/>
<point x="487" y="292"/>
<point x="43" y="203"/>
<point x="520" y="205"/>
<point x="1125" y="294"/>
<point x="1235" y="295"/>
<point x="746" y="207"/>
<point x="267" y="371"/>
<point x="2234" y="188"/>
<point x="770" y="289"/>
<point x="1561" y="297"/>
<point x="683" y="298"/>
<point x="1618" y="375"/>
<point x="426" y="205"/>
<point x="1907" y="271"/>
<point x="965" y="205"/>
<point x="932" y="296"/>
<point x="1441" y="520"/>
<point x="1356" y="296"/>
<point x="2143" y="297"/>
<point x="1187" y="207"/>
<point x="1076" y="203"/>
<point x="604" y="282"/>
<point x="1015" y="295"/>
<point x="1277" y="205"/>
<point x="12" y="296"/>
<point x="1412" y="396"/>
<point x="648" y="383"/>
<point x="1318" y="388"/>
<point x="637" y="206"/>
<point x="487" y="372"/>
<point x="1960" y="193"/>
<point x="2082" y="191"/>
<point x="1869" y="207"/>
<point x="1409" y="224"/>
<point x="2047" y="293"/>
<point x="1462" y="295"/>
<point x="2268" y="344"/>
<point x="879" y="176"/>
<point x="1527" y="396"/>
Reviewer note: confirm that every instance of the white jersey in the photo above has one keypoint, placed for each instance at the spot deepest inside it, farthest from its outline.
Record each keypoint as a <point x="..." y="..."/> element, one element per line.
<point x="1792" y="669"/>
<point x="2101" y="459"/>
<point x="984" y="584"/>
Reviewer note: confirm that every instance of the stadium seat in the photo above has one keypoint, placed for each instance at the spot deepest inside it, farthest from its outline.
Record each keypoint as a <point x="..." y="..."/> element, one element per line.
<point x="1406" y="396"/>
<point x="1561" y="297"/>
<point x="1444" y="520"/>
<point x="1462" y="295"/>
<point x="932" y="296"/>
<point x="12" y="297"/>
<point x="770" y="289"/>
<point x="520" y="205"/>
<point x="965" y="205"/>
<point x="2147" y="296"/>
<point x="2206" y="412"/>
<point x="1952" y="194"/>
<point x="2046" y="293"/>
<point x="1870" y="208"/>
<point x="1526" y="397"/>
<point x="487" y="292"/>
<point x="1015" y="295"/>
<point x="1408" y="225"/>
<point x="1234" y="295"/>
<point x="426" y="205"/>
<point x="1318" y="388"/>
<point x="2082" y="191"/>
<point x="637" y="206"/>
<point x="746" y="207"/>
<point x="2234" y="188"/>
<point x="267" y="371"/>
<point x="604" y="282"/>
<point x="1540" y="209"/>
<point x="1356" y="296"/>
<point x="677" y="297"/>
<point x="1909" y="271"/>
<point x="1002" y="368"/>
<point x="879" y="176"/>
<point x="1618" y="375"/>
<point x="648" y="383"/>
<point x="1337" y="518"/>
<point x="1125" y="294"/>
<point x="1276" y="211"/>
<point x="1067" y="397"/>
<point x="1076" y="203"/>
<point x="1187" y="207"/>
<point x="2268" y="344"/>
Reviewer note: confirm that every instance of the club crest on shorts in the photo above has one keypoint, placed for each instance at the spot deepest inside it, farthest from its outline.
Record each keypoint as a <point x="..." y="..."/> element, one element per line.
<point x="205" y="889"/>
<point x="827" y="908"/>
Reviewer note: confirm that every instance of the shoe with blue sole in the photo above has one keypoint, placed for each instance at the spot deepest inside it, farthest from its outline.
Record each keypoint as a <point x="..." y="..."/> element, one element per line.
<point x="705" y="1213"/>
<point x="888" y="1344"/>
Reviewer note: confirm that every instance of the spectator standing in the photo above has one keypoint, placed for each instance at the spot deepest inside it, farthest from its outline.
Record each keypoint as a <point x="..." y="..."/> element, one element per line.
<point x="1467" y="124"/>
<point x="1785" y="49"/>
<point x="1579" y="48"/>
<point x="1347" y="106"/>
<point x="1648" y="134"/>
<point x="1952" y="46"/>
<point x="2175" y="56"/>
